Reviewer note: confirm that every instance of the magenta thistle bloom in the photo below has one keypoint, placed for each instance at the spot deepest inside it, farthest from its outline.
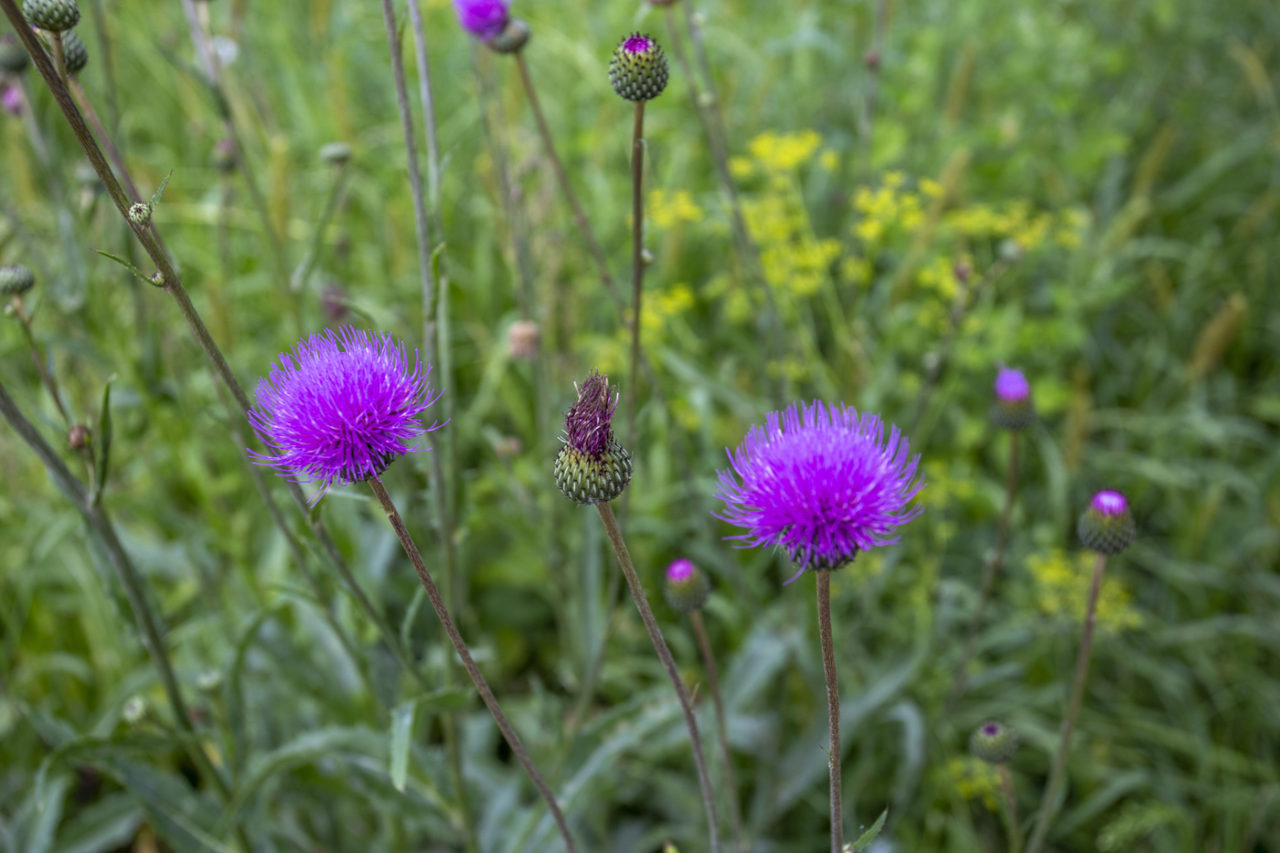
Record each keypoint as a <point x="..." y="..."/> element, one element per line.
<point x="1012" y="386"/>
<point x="686" y="588"/>
<point x="638" y="68"/>
<point x="484" y="19"/>
<point x="1107" y="526"/>
<point x="11" y="100"/>
<point x="338" y="408"/>
<point x="592" y="467"/>
<point x="1013" y="408"/>
<point x="821" y="482"/>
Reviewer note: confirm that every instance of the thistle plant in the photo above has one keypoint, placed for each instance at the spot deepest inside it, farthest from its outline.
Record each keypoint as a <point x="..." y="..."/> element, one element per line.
<point x="822" y="483"/>
<point x="638" y="73"/>
<point x="686" y="589"/>
<point x="338" y="409"/>
<point x="593" y="469"/>
<point x="996" y="744"/>
<point x="1106" y="527"/>
<point x="1012" y="410"/>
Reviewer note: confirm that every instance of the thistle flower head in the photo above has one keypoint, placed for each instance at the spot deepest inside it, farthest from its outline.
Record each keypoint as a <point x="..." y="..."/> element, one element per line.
<point x="11" y="100"/>
<point x="16" y="280"/>
<point x="484" y="19"/>
<point x="686" y="588"/>
<point x="638" y="68"/>
<point x="591" y="467"/>
<point x="821" y="482"/>
<point x="1107" y="526"/>
<point x="74" y="52"/>
<point x="13" y="56"/>
<point x="1013" y="408"/>
<point x="51" y="15"/>
<point x="993" y="742"/>
<point x="339" y="407"/>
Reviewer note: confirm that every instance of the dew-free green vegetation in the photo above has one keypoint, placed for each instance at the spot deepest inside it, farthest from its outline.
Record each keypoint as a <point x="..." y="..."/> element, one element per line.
<point x="1088" y="192"/>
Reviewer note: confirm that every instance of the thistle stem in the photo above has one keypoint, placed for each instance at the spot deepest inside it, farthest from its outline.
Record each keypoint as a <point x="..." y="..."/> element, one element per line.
<point x="1010" y="807"/>
<point x="993" y="566"/>
<point x="833" y="706"/>
<point x="103" y="531"/>
<point x="668" y="663"/>
<point x="722" y="728"/>
<point x="46" y="378"/>
<point x="562" y="176"/>
<point x="1057" y="775"/>
<point x="468" y="663"/>
<point x="637" y="264"/>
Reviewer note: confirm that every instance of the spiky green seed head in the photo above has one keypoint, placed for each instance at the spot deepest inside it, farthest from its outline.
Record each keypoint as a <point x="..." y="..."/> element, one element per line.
<point x="993" y="742"/>
<point x="16" y="280"/>
<point x="335" y="153"/>
<point x="638" y="68"/>
<point x="140" y="214"/>
<point x="51" y="15"/>
<point x="686" y="587"/>
<point x="13" y="56"/>
<point x="513" y="36"/>
<point x="74" y="52"/>
<point x="1107" y="526"/>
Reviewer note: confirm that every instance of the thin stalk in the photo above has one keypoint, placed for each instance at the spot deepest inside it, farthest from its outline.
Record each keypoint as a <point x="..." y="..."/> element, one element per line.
<point x="46" y="378"/>
<point x="722" y="728"/>
<point x="172" y="284"/>
<point x="668" y="663"/>
<point x="1010" y="808"/>
<point x="435" y="349"/>
<point x="875" y="57"/>
<point x="637" y="264"/>
<point x="1057" y="775"/>
<point x="302" y="275"/>
<point x="833" y="707"/>
<point x="993" y="565"/>
<point x="468" y="663"/>
<point x="103" y="531"/>
<point x="566" y="187"/>
<point x="59" y="54"/>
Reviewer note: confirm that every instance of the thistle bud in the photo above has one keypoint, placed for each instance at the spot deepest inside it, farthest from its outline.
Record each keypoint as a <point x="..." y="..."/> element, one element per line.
<point x="1107" y="526"/>
<point x="13" y="56"/>
<point x="224" y="155"/>
<point x="522" y="339"/>
<point x="993" y="742"/>
<point x="16" y="280"/>
<point x="335" y="153"/>
<point x="140" y="214"/>
<point x="1013" y="408"/>
<point x="78" y="437"/>
<point x="686" y="588"/>
<point x="591" y="467"/>
<point x="638" y="68"/>
<point x="51" y="15"/>
<point x="512" y="37"/>
<point x="74" y="53"/>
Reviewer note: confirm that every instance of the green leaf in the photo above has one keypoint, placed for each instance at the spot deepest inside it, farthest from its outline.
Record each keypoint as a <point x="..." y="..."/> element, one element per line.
<point x="865" y="839"/>
<point x="155" y="197"/>
<point x="102" y="454"/>
<point x="130" y="267"/>
<point x="401" y="733"/>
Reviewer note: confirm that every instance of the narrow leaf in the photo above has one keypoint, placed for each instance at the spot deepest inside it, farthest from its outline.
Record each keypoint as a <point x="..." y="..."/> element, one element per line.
<point x="865" y="839"/>
<point x="401" y="733"/>
<point x="102" y="442"/>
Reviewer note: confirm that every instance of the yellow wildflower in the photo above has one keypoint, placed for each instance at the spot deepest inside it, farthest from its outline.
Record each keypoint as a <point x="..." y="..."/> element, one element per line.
<point x="783" y="152"/>
<point x="1062" y="590"/>
<point x="669" y="209"/>
<point x="973" y="779"/>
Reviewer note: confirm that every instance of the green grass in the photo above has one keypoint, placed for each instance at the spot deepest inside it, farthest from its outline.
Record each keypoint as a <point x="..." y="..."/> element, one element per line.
<point x="1146" y="133"/>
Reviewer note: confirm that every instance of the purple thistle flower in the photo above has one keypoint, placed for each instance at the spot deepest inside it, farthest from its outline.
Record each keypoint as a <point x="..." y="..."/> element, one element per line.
<point x="1013" y="408"/>
<point x="1108" y="502"/>
<point x="338" y="408"/>
<point x="681" y="570"/>
<point x="11" y="100"/>
<point x="591" y="467"/>
<point x="821" y="482"/>
<point x="484" y="19"/>
<point x="1012" y="386"/>
<point x="588" y="425"/>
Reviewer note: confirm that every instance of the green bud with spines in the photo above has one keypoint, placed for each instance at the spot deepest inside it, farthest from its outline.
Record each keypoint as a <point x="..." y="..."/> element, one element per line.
<point x="13" y="56"/>
<point x="140" y="214"/>
<point x="16" y="280"/>
<point x="513" y="37"/>
<point x="74" y="52"/>
<point x="685" y="586"/>
<point x="55" y="16"/>
<point x="638" y="68"/>
<point x="993" y="742"/>
<point x="335" y="153"/>
<point x="591" y="466"/>
<point x="1107" y="526"/>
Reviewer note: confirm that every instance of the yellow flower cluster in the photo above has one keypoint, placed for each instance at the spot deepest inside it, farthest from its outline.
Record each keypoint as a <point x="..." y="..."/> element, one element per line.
<point x="1016" y="221"/>
<point x="974" y="779"/>
<point x="667" y="209"/>
<point x="777" y="153"/>
<point x="1062" y="590"/>
<point x="884" y="210"/>
<point x="792" y="257"/>
<point x="659" y="308"/>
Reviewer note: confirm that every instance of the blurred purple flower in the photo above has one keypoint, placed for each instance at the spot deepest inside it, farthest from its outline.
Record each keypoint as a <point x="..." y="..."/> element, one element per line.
<point x="339" y="407"/>
<point x="11" y="99"/>
<point x="821" y="482"/>
<point x="484" y="19"/>
<point x="1012" y="385"/>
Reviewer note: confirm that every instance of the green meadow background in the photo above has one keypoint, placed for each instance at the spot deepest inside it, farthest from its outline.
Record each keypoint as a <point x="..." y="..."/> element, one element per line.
<point x="1086" y="191"/>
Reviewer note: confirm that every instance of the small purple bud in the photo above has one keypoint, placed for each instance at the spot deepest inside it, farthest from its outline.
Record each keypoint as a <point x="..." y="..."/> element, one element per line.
<point x="1107" y="526"/>
<point x="484" y="19"/>
<point x="686" y="588"/>
<point x="1011" y="385"/>
<point x="994" y="742"/>
<point x="11" y="99"/>
<point x="1109" y="503"/>
<point x="1013" y="408"/>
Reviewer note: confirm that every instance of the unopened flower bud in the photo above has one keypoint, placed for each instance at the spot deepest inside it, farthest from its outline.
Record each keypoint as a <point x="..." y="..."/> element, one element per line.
<point x="513" y="36"/>
<point x="135" y="708"/>
<point x="1107" y="526"/>
<point x="333" y="303"/>
<point x="591" y="467"/>
<point x="993" y="742"/>
<point x="224" y="155"/>
<point x="871" y="59"/>
<point x="335" y="153"/>
<point x="16" y="280"/>
<point x="638" y="68"/>
<point x="13" y="56"/>
<point x="1013" y="408"/>
<point x="74" y="53"/>
<point x="140" y="214"/>
<point x="51" y="15"/>
<point x="686" y="587"/>
<point x="78" y="437"/>
<point x="522" y="339"/>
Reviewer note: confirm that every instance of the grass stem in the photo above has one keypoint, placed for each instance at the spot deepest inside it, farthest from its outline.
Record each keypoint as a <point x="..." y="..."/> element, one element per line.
<point x="833" y="707"/>
<point x="722" y="728"/>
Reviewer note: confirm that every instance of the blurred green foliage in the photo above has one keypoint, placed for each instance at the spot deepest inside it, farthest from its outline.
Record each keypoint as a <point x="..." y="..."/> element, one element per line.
<point x="1088" y="192"/>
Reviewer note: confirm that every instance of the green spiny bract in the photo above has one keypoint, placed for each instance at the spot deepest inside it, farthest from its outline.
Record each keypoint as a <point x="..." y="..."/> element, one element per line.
<point x="74" y="52"/>
<point x="588" y="479"/>
<point x="16" y="280"/>
<point x="638" y="68"/>
<point x="51" y="15"/>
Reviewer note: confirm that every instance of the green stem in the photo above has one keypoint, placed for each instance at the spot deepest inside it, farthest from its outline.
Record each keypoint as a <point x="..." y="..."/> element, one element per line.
<point x="1057" y="775"/>
<point x="1010" y="808"/>
<point x="722" y="731"/>
<point x="668" y="663"/>
<point x="637" y="264"/>
<point x="468" y="662"/>
<point x="833" y="707"/>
